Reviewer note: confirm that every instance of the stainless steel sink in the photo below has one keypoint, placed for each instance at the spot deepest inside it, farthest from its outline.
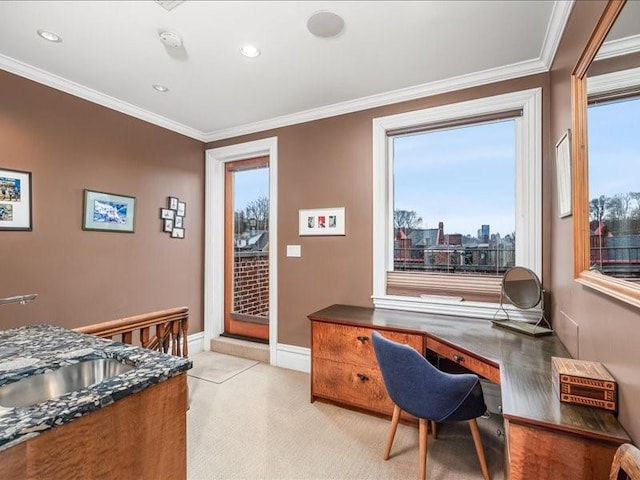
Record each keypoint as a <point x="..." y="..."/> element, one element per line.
<point x="49" y="385"/>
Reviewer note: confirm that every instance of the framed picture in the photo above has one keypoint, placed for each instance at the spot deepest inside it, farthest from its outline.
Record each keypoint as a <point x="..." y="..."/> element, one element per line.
<point x="108" y="212"/>
<point x="563" y="171"/>
<point x="172" y="203"/>
<point x="168" y="225"/>
<point x="182" y="209"/>
<point x="177" y="233"/>
<point x="178" y="221"/>
<point x="167" y="214"/>
<point x="15" y="200"/>
<point x="321" y="221"/>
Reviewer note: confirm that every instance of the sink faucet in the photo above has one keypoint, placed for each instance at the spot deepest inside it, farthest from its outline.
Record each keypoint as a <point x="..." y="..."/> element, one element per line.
<point x="21" y="299"/>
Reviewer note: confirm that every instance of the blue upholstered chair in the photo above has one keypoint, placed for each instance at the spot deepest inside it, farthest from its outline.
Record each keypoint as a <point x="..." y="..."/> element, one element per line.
<point x="419" y="388"/>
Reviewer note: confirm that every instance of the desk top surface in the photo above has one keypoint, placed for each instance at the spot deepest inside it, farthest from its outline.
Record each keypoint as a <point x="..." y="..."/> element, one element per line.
<point x="528" y="396"/>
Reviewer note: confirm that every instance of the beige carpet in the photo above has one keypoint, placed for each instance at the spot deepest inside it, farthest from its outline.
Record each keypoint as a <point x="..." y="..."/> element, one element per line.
<point x="260" y="424"/>
<point x="218" y="367"/>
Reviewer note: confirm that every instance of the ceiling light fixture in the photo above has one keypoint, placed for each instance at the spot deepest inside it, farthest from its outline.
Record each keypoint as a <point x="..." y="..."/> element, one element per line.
<point x="250" y="51"/>
<point x="50" y="36"/>
<point x="160" y="88"/>
<point x="325" y="24"/>
<point x="171" y="39"/>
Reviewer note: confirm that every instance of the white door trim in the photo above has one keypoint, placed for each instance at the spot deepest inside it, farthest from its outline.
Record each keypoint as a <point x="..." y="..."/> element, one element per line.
<point x="215" y="160"/>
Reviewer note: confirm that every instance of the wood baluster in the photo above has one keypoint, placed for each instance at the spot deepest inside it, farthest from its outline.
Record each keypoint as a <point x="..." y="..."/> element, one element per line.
<point x="160" y="331"/>
<point x="167" y="338"/>
<point x="144" y="337"/>
<point x="175" y="337"/>
<point x="127" y="337"/>
<point x="184" y="324"/>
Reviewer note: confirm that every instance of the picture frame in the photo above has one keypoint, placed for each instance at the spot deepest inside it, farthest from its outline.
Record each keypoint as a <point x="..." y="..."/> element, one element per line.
<point x="167" y="225"/>
<point x="15" y="200"/>
<point x="563" y="174"/>
<point x="177" y="233"/>
<point x="167" y="214"/>
<point x="321" y="221"/>
<point x="178" y="221"/>
<point x="108" y="212"/>
<point x="182" y="209"/>
<point x="172" y="203"/>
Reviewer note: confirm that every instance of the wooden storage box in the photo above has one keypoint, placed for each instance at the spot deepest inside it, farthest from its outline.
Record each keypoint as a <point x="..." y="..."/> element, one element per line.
<point x="584" y="382"/>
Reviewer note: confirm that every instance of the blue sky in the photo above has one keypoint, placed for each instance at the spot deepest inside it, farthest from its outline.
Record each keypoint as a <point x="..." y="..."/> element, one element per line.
<point x="249" y="186"/>
<point x="463" y="176"/>
<point x="614" y="148"/>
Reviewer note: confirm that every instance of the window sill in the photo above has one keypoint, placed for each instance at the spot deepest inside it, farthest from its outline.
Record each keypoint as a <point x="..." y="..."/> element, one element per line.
<point x="455" y="307"/>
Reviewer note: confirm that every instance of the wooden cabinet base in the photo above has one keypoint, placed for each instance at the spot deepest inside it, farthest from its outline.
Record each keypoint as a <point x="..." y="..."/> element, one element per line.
<point x="538" y="454"/>
<point x="142" y="436"/>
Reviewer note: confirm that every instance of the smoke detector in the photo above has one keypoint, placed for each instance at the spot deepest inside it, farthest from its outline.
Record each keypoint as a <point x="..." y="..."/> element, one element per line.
<point x="169" y="5"/>
<point x="171" y="39"/>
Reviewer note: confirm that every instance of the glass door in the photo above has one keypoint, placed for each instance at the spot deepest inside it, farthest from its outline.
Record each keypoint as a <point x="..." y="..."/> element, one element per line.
<point x="246" y="308"/>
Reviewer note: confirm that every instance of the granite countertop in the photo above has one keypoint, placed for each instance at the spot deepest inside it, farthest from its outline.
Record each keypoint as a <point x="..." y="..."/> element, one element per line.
<point x="35" y="349"/>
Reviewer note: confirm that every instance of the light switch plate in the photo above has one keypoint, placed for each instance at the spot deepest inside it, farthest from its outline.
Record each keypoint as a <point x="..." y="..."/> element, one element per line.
<point x="294" y="251"/>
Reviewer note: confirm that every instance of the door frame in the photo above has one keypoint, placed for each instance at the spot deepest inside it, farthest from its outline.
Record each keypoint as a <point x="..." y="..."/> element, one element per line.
<point x="215" y="160"/>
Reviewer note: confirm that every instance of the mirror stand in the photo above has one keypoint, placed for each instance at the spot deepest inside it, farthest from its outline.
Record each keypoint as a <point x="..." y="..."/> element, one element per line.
<point x="537" y="329"/>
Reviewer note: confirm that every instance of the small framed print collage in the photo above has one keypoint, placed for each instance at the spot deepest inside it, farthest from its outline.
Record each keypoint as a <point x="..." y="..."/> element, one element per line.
<point x="173" y="217"/>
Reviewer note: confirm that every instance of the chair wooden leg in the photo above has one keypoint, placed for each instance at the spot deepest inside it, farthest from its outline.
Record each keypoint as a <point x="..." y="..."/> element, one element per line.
<point x="434" y="429"/>
<point x="475" y="433"/>
<point x="392" y="431"/>
<point x="423" y="448"/>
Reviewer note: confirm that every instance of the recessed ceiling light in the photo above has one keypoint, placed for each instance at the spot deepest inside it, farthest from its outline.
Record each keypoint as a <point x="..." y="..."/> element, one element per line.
<point x="250" y="51"/>
<point x="160" y="88"/>
<point x="325" y="24"/>
<point x="50" y="36"/>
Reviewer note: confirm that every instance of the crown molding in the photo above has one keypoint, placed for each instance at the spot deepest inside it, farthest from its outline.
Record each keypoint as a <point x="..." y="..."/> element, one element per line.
<point x="54" y="81"/>
<point x="530" y="67"/>
<point x="559" y="17"/>
<point x="622" y="46"/>
<point x="555" y="29"/>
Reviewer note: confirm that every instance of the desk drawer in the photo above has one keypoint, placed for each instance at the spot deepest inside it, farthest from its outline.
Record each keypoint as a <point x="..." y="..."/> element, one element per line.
<point x="349" y="344"/>
<point x="480" y="367"/>
<point x="355" y="385"/>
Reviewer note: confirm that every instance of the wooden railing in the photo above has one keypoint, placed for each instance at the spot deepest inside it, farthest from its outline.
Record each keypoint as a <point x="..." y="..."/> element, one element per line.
<point x="170" y="330"/>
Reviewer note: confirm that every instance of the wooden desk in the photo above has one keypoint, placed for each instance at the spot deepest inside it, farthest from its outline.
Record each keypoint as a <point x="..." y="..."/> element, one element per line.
<point x="545" y="439"/>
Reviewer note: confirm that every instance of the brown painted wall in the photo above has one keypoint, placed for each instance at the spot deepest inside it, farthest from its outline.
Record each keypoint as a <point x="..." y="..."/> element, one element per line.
<point x="593" y="326"/>
<point x="328" y="163"/>
<point x="85" y="277"/>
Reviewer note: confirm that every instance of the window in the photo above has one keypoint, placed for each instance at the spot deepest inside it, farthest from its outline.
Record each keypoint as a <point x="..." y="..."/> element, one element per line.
<point x="614" y="199"/>
<point x="457" y="201"/>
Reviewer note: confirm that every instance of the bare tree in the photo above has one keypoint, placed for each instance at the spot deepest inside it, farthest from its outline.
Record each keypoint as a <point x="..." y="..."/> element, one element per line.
<point x="614" y="207"/>
<point x="258" y="210"/>
<point x="407" y="220"/>
<point x="597" y="208"/>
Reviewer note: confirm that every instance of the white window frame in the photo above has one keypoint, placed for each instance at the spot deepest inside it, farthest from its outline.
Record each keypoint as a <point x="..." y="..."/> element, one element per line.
<point x="528" y="174"/>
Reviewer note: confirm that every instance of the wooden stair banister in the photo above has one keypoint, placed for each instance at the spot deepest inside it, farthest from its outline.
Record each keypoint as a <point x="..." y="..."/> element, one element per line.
<point x="171" y="328"/>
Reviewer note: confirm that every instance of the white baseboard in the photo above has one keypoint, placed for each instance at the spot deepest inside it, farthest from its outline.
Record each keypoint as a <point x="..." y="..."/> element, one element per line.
<point x="293" y="357"/>
<point x="196" y="343"/>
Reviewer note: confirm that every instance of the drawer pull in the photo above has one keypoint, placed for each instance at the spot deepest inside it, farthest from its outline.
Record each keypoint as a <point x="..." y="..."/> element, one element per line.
<point x="363" y="377"/>
<point x="362" y="338"/>
<point x="458" y="358"/>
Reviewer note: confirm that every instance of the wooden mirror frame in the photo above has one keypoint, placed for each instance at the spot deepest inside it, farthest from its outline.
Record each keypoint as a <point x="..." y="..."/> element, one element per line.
<point x="622" y="290"/>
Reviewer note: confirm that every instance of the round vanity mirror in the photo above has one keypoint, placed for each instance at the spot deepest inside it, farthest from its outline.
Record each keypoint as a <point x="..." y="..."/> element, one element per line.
<point x="522" y="287"/>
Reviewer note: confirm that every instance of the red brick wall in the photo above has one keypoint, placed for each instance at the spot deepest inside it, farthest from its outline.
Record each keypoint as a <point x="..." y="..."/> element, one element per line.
<point x="251" y="284"/>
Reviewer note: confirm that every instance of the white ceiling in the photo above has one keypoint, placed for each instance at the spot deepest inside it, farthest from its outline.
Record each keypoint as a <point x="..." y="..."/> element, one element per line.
<point x="389" y="51"/>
